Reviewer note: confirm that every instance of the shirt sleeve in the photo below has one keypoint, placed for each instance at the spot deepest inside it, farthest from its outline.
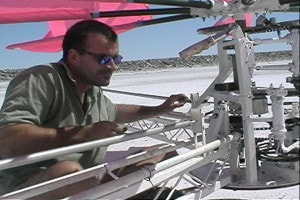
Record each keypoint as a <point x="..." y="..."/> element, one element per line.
<point x="28" y="97"/>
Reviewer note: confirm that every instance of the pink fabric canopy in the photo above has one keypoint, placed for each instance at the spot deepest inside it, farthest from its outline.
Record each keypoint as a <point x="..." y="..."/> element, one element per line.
<point x="60" y="15"/>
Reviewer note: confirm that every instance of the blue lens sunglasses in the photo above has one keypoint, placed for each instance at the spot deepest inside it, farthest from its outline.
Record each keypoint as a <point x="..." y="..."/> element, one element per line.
<point x="104" y="59"/>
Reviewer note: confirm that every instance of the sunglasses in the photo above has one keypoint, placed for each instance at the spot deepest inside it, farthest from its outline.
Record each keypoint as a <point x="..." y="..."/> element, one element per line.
<point x="104" y="59"/>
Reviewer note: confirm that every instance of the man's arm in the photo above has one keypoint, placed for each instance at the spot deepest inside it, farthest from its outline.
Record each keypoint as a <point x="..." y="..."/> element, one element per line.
<point x="22" y="139"/>
<point x="131" y="113"/>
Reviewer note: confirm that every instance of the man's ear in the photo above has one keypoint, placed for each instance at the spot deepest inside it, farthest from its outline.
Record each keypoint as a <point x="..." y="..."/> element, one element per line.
<point x="73" y="56"/>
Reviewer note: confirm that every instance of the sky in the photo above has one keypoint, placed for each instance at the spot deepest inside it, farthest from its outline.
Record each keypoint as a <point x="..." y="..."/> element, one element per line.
<point x="149" y="42"/>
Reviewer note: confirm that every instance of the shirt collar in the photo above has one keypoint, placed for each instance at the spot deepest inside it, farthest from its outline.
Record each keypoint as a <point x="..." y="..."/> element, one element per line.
<point x="69" y="73"/>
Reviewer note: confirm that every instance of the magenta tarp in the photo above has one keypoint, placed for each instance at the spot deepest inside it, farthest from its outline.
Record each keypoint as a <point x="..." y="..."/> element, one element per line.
<point x="17" y="11"/>
<point x="60" y="15"/>
<point x="52" y="43"/>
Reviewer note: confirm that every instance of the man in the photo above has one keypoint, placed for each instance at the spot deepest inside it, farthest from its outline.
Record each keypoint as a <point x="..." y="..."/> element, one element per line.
<point x="60" y="104"/>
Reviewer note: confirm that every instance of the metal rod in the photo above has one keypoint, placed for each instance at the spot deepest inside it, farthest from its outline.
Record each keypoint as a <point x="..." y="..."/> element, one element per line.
<point x="245" y="60"/>
<point x="165" y="19"/>
<point x="185" y="3"/>
<point x="286" y="39"/>
<point x="138" y="94"/>
<point x="148" y="172"/>
<point x="274" y="67"/>
<point x="169" y="173"/>
<point x="45" y="155"/>
<point x="123" y="13"/>
<point x="208" y="147"/>
<point x="90" y="172"/>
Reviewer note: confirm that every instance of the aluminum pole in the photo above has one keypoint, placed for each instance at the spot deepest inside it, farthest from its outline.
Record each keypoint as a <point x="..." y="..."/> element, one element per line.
<point x="45" y="155"/>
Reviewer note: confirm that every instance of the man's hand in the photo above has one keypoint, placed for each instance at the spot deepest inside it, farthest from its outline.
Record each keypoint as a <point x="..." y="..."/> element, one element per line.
<point x="130" y="113"/>
<point x="20" y="139"/>
<point x="174" y="101"/>
<point x="102" y="130"/>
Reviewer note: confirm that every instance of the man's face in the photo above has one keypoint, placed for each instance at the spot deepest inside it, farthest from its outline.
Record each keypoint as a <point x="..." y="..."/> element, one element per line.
<point x="97" y="61"/>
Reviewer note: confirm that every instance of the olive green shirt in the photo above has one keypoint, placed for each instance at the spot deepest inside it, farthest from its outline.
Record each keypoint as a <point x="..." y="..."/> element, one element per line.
<point x="46" y="96"/>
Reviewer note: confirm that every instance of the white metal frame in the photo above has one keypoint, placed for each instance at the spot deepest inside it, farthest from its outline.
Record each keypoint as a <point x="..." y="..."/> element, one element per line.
<point x="208" y="139"/>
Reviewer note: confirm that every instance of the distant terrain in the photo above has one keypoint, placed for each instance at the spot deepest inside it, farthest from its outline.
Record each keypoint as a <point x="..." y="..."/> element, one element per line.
<point x="167" y="63"/>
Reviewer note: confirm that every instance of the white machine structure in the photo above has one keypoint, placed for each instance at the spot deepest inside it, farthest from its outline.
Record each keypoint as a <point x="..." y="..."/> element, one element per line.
<point x="237" y="134"/>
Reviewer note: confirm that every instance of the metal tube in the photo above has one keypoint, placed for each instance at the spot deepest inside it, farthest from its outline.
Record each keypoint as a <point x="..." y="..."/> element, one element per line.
<point x="138" y="94"/>
<point x="144" y="155"/>
<point x="287" y="39"/>
<point x="278" y="121"/>
<point x="122" y="13"/>
<point x="150" y="171"/>
<point x="90" y="172"/>
<point x="185" y="3"/>
<point x="208" y="147"/>
<point x="245" y="61"/>
<point x="274" y="67"/>
<point x="45" y="155"/>
<point x="164" y="20"/>
<point x="169" y="173"/>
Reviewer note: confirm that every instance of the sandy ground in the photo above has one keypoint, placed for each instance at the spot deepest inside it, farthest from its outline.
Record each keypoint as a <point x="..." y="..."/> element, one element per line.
<point x="188" y="81"/>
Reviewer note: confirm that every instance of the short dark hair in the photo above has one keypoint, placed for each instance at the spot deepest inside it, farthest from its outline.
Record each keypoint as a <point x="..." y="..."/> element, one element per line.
<point x="76" y="35"/>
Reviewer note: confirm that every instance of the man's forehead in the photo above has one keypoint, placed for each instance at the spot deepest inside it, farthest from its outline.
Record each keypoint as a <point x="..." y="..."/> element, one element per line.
<point x="98" y="43"/>
<point x="93" y="38"/>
